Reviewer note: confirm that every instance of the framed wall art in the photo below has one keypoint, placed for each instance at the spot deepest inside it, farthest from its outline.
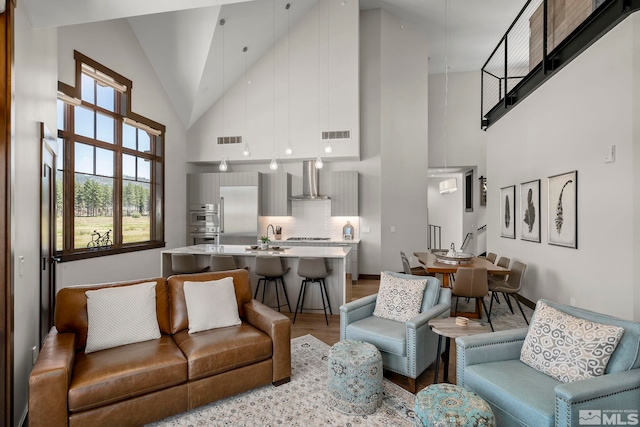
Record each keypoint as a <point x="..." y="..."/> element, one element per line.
<point x="508" y="212"/>
<point x="530" y="211"/>
<point x="562" y="218"/>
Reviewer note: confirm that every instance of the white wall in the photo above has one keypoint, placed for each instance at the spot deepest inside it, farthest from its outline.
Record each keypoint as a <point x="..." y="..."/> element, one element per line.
<point x="35" y="77"/>
<point x="565" y="125"/>
<point x="465" y="142"/>
<point x="403" y="139"/>
<point x="636" y="169"/>
<point x="331" y="76"/>
<point x="114" y="45"/>
<point x="446" y="211"/>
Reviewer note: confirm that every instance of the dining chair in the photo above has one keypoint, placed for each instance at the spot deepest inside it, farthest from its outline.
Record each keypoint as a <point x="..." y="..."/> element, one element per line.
<point x="472" y="283"/>
<point x="186" y="264"/>
<point x="491" y="257"/>
<point x="415" y="271"/>
<point x="496" y="279"/>
<point x="510" y="287"/>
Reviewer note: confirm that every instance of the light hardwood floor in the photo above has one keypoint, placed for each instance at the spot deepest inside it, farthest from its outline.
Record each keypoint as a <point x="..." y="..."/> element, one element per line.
<point x="314" y="323"/>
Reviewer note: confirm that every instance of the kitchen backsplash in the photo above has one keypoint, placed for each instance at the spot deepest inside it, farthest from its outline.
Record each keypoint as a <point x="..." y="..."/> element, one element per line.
<point x="309" y="218"/>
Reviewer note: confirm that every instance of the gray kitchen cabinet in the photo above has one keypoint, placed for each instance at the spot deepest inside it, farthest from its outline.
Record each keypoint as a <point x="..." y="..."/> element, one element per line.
<point x="275" y="189"/>
<point x="203" y="188"/>
<point x="344" y="193"/>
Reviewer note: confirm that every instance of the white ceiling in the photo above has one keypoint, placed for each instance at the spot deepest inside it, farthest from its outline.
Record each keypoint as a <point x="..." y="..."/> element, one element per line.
<point x="183" y="41"/>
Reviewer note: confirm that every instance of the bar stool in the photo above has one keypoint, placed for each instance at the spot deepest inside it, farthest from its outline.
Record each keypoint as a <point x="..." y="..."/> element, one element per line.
<point x="313" y="270"/>
<point x="185" y="264"/>
<point x="270" y="268"/>
<point x="222" y="263"/>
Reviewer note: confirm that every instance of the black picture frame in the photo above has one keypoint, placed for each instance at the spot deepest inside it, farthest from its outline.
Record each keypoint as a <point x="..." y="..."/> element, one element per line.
<point x="508" y="212"/>
<point x="530" y="211"/>
<point x="468" y="191"/>
<point x="562" y="210"/>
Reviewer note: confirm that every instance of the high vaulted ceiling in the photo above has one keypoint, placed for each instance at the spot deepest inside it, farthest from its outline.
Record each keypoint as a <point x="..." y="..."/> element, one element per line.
<point x="183" y="40"/>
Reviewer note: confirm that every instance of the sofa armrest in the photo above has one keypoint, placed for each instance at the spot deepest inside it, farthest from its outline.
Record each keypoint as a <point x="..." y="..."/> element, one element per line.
<point x="354" y="311"/>
<point x="616" y="393"/>
<point x="423" y="318"/>
<point x="278" y="327"/>
<point x="489" y="347"/>
<point x="49" y="380"/>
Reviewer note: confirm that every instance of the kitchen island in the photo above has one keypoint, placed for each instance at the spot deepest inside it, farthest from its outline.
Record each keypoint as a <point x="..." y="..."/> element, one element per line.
<point x="338" y="287"/>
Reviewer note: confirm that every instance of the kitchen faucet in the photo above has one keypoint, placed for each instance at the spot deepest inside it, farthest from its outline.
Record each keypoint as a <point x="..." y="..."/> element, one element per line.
<point x="272" y="230"/>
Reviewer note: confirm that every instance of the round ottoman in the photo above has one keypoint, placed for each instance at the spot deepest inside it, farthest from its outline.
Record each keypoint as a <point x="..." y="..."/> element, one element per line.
<point x="355" y="378"/>
<point x="446" y="405"/>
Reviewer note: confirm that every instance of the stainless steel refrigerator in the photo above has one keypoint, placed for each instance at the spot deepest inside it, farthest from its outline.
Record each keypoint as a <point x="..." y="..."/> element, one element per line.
<point x="239" y="216"/>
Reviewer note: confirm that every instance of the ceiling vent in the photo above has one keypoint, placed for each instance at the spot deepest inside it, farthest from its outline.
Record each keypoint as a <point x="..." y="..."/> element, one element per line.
<point x="336" y="134"/>
<point x="229" y="140"/>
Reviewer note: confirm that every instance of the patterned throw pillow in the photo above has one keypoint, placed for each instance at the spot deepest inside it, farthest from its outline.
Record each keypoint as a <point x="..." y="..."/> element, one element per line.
<point x="211" y="304"/>
<point x="121" y="315"/>
<point x="399" y="298"/>
<point x="568" y="348"/>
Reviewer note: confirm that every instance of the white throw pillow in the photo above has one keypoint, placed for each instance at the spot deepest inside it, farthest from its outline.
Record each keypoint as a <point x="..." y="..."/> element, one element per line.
<point x="399" y="298"/>
<point x="566" y="347"/>
<point x="211" y="304"/>
<point x="121" y="315"/>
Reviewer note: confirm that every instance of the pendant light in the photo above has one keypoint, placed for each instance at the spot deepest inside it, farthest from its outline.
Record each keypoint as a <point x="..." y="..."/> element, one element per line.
<point x="274" y="164"/>
<point x="318" y="163"/>
<point x="327" y="148"/>
<point x="289" y="150"/>
<point x="245" y="152"/>
<point x="448" y="185"/>
<point x="223" y="165"/>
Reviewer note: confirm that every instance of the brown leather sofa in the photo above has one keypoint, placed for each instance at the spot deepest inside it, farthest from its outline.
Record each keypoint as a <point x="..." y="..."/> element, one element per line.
<point x="143" y="382"/>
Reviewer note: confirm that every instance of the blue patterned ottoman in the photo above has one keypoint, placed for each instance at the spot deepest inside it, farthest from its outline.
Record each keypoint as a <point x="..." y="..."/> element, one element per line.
<point x="446" y="405"/>
<point x="355" y="378"/>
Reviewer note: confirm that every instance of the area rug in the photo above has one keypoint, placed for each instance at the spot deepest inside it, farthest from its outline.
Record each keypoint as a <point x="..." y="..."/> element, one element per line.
<point x="301" y="402"/>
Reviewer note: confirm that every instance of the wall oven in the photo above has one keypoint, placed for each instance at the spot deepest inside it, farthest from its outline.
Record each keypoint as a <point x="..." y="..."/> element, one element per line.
<point x="204" y="215"/>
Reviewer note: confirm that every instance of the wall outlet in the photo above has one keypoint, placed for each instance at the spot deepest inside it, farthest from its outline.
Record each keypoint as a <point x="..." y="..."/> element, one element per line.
<point x="393" y="228"/>
<point x="572" y="302"/>
<point x="34" y="354"/>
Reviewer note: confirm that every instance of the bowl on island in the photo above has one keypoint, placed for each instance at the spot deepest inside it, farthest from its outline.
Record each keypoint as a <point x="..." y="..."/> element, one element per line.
<point x="254" y="246"/>
<point x="275" y="248"/>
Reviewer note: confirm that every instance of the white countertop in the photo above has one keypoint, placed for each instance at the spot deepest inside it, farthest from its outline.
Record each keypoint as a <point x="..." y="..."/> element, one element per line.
<point x="242" y="250"/>
<point x="318" y="241"/>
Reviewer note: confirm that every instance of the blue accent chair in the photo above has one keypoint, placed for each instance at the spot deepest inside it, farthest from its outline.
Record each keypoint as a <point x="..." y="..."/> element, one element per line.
<point x="489" y="364"/>
<point x="406" y="348"/>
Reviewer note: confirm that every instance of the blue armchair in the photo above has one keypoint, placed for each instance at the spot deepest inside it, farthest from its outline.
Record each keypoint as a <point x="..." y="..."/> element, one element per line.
<point x="489" y="364"/>
<point x="407" y="348"/>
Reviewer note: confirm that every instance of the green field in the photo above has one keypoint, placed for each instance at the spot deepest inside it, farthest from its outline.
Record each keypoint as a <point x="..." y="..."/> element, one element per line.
<point x="133" y="229"/>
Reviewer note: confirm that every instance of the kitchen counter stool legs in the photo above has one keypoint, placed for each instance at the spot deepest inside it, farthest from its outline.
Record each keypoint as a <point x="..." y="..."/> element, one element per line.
<point x="313" y="270"/>
<point x="270" y="268"/>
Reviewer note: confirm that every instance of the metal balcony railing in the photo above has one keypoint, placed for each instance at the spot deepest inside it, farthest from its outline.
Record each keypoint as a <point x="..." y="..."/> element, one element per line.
<point x="545" y="36"/>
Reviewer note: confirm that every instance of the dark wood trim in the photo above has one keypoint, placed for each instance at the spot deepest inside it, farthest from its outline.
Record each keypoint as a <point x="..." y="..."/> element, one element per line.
<point x="6" y="173"/>
<point x="75" y="256"/>
<point x="369" y="276"/>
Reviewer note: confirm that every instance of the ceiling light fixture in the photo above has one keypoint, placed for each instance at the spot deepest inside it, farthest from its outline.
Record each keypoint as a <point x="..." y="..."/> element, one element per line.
<point x="289" y="150"/>
<point x="274" y="164"/>
<point x="246" y="151"/>
<point x="448" y="185"/>
<point x="328" y="149"/>
<point x="223" y="165"/>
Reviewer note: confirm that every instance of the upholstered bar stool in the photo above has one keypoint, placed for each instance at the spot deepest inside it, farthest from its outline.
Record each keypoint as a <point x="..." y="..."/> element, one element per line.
<point x="222" y="263"/>
<point x="270" y="268"/>
<point x="185" y="264"/>
<point x="313" y="270"/>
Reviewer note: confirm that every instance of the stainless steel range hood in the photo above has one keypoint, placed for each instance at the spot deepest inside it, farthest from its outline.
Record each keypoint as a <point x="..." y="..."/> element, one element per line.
<point x="310" y="183"/>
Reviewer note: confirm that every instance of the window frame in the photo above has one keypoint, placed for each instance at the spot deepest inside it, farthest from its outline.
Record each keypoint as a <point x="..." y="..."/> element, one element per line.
<point x="122" y="114"/>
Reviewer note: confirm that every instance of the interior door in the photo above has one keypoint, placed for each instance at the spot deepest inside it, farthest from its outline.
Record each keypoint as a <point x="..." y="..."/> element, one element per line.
<point x="47" y="232"/>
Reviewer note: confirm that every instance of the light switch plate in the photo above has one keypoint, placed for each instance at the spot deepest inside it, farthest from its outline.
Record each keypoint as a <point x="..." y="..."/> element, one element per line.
<point x="610" y="154"/>
<point x="366" y="229"/>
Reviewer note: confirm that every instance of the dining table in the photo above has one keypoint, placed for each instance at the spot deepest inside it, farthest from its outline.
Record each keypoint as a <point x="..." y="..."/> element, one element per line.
<point x="431" y="264"/>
